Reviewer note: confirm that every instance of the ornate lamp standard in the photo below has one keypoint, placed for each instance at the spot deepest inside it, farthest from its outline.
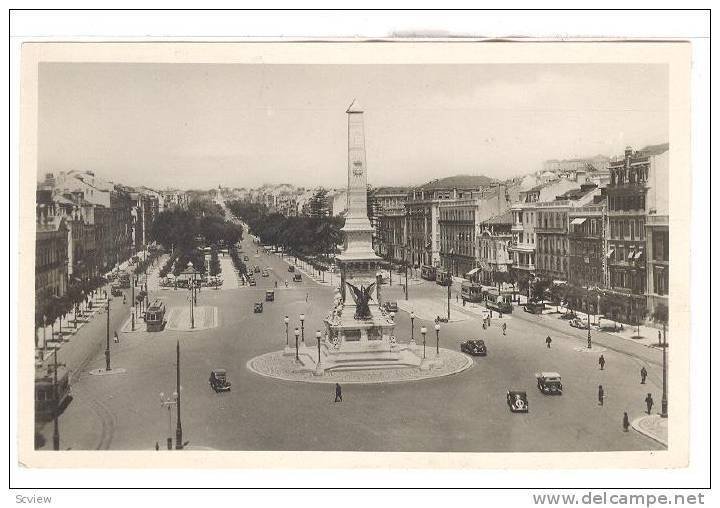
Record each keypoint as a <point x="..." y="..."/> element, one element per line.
<point x="169" y="402"/>
<point x="297" y="355"/>
<point x="302" y="327"/>
<point x="178" y="429"/>
<point x="318" y="367"/>
<point x="412" y="328"/>
<point x="107" y="343"/>
<point x="192" y="273"/>
<point x="287" y="335"/>
<point x="437" y="339"/>
<point x="423" y="331"/>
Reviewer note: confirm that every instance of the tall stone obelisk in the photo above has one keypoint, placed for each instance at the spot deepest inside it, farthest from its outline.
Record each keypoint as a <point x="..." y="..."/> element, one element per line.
<point x="358" y="230"/>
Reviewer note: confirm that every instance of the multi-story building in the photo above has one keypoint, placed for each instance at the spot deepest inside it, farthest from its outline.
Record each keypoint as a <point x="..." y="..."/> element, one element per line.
<point x="390" y="222"/>
<point x="51" y="261"/>
<point x="552" y="247"/>
<point x="522" y="246"/>
<point x="493" y="251"/>
<point x="657" y="233"/>
<point x="586" y="242"/>
<point x="627" y="215"/>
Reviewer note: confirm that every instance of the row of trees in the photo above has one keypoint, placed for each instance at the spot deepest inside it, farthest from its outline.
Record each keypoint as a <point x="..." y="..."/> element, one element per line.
<point x="214" y="263"/>
<point x="304" y="236"/>
<point x="238" y="263"/>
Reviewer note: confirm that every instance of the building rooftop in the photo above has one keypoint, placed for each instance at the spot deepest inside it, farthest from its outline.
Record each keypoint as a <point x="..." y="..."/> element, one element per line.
<point x="458" y="182"/>
<point x="505" y="218"/>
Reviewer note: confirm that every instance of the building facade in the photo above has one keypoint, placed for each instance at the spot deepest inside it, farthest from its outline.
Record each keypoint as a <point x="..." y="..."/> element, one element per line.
<point x="457" y="226"/>
<point x="586" y="242"/>
<point x="51" y="261"/>
<point x="494" y="242"/>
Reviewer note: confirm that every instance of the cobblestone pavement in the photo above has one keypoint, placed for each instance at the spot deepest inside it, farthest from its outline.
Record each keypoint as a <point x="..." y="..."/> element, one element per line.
<point x="280" y="366"/>
<point x="653" y="426"/>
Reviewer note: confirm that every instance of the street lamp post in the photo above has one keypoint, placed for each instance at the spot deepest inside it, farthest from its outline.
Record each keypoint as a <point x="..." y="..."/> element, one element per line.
<point x="107" y="343"/>
<point x="297" y="355"/>
<point x="302" y="328"/>
<point x="664" y="402"/>
<point x="56" y="404"/>
<point x="317" y="338"/>
<point x="178" y="429"/>
<point x="412" y="328"/>
<point x="423" y="331"/>
<point x="287" y="337"/>
<point x="132" y="303"/>
<point x="437" y="339"/>
<point x="587" y="311"/>
<point x="169" y="402"/>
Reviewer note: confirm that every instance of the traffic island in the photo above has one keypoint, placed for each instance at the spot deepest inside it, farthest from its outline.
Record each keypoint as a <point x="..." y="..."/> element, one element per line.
<point x="653" y="426"/>
<point x="103" y="372"/>
<point x="278" y="365"/>
<point x="204" y="317"/>
<point x="594" y="349"/>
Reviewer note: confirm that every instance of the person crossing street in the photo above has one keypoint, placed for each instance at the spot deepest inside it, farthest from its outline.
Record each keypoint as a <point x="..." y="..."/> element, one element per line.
<point x="504" y="328"/>
<point x="601" y="362"/>
<point x="649" y="403"/>
<point x="643" y="375"/>
<point x="548" y="341"/>
<point x="626" y="422"/>
<point x="601" y="395"/>
<point x="338" y="392"/>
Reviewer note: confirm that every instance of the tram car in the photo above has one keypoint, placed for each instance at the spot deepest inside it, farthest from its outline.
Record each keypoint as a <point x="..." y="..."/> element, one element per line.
<point x="155" y="316"/>
<point x="428" y="272"/>
<point x="46" y="401"/>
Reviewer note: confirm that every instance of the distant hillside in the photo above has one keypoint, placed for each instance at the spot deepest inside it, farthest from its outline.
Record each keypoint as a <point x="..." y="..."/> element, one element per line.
<point x="459" y="182"/>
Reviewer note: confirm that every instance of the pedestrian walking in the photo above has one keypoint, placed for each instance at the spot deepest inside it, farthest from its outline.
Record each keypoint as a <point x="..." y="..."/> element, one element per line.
<point x="548" y="341"/>
<point x="649" y="402"/>
<point x="117" y="339"/>
<point x="504" y="328"/>
<point x="601" y="362"/>
<point x="286" y="284"/>
<point x="659" y="341"/>
<point x="338" y="392"/>
<point x="626" y="422"/>
<point x="456" y="298"/>
<point x="643" y="375"/>
<point x="601" y="395"/>
<point x="157" y="446"/>
<point x="275" y="283"/>
<point x="484" y="324"/>
<point x="124" y="299"/>
<point x="464" y="302"/>
<point x="306" y="297"/>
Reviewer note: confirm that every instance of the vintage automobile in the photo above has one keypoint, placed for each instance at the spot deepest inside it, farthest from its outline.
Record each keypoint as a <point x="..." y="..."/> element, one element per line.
<point x="517" y="401"/>
<point x="297" y="278"/>
<point x="391" y="306"/>
<point x="265" y="273"/>
<point x="258" y="307"/>
<point x="270" y="295"/>
<point x="568" y="315"/>
<point x="115" y="290"/>
<point x="474" y="347"/>
<point x="578" y="323"/>
<point x="219" y="381"/>
<point x="256" y="269"/>
<point x="291" y="268"/>
<point x="549" y="383"/>
<point x="251" y="281"/>
<point x="245" y="258"/>
<point x="534" y="307"/>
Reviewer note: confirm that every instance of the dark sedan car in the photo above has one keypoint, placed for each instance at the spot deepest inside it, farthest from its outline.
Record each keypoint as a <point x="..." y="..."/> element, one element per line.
<point x="391" y="306"/>
<point x="474" y="347"/>
<point x="517" y="401"/>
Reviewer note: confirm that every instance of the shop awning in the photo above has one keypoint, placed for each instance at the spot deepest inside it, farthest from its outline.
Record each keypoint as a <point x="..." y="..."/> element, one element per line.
<point x="578" y="220"/>
<point x="473" y="271"/>
<point x="610" y="253"/>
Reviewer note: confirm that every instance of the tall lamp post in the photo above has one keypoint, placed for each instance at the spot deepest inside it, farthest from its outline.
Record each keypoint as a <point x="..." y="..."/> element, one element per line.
<point x="56" y="405"/>
<point x="169" y="402"/>
<point x="191" y="272"/>
<point x="302" y="328"/>
<point x="412" y="328"/>
<point x="178" y="429"/>
<point x="423" y="331"/>
<point x="287" y="336"/>
<point x="437" y="339"/>
<point x="318" y="367"/>
<point x="664" y="402"/>
<point x="297" y="355"/>
<point x="107" y="342"/>
<point x="132" y="303"/>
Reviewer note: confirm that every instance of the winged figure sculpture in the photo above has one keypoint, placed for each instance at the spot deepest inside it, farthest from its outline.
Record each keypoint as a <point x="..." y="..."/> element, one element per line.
<point x="362" y="296"/>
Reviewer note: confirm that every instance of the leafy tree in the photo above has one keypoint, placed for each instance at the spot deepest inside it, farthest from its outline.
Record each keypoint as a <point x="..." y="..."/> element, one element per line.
<point x="319" y="203"/>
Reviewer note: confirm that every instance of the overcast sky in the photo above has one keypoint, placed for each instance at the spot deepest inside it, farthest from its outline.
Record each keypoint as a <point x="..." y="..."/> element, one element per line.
<point x="200" y="125"/>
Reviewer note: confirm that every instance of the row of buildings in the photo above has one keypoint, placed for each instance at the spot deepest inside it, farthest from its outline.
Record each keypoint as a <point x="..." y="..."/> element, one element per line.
<point x="86" y="225"/>
<point x="595" y="224"/>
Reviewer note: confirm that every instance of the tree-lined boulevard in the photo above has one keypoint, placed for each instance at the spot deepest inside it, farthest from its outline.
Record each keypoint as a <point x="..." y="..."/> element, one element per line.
<point x="463" y="412"/>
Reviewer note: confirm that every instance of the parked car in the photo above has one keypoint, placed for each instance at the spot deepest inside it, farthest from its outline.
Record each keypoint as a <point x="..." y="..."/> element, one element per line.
<point x="258" y="308"/>
<point x="568" y="315"/>
<point x="251" y="281"/>
<point x="256" y="269"/>
<point x="219" y="381"/>
<point x="578" y="323"/>
<point x="517" y="401"/>
<point x="270" y="295"/>
<point x="549" y="383"/>
<point x="297" y="278"/>
<point x="391" y="306"/>
<point x="291" y="268"/>
<point x="475" y="347"/>
<point x="534" y="307"/>
<point x="245" y="258"/>
<point x="265" y="273"/>
<point x="116" y="291"/>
